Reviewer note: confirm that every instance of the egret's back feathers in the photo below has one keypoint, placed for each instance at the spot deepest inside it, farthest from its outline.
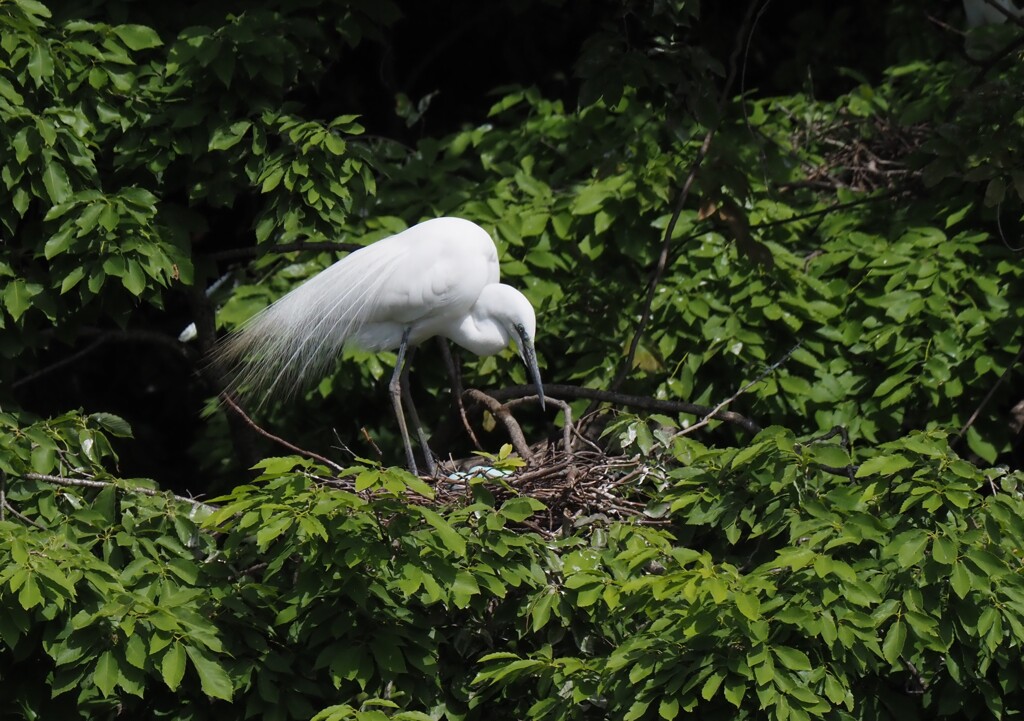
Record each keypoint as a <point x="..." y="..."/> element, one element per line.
<point x="428" y="278"/>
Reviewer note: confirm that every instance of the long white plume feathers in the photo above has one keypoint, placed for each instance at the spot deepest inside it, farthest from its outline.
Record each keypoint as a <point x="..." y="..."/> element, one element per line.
<point x="300" y="335"/>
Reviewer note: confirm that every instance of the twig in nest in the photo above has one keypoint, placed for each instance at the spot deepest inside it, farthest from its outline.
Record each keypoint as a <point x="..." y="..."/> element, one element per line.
<point x="502" y="413"/>
<point x="230" y="402"/>
<point x="567" y="427"/>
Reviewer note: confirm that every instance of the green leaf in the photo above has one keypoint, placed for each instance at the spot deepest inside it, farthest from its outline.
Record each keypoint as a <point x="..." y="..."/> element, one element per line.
<point x="58" y="242"/>
<point x="944" y="550"/>
<point x="748" y="605"/>
<point x="710" y="686"/>
<point x="55" y="179"/>
<point x="792" y="658"/>
<point x="40" y="63"/>
<point x="895" y="638"/>
<point x="883" y="465"/>
<point x="520" y="508"/>
<point x="911" y="546"/>
<point x="273" y="529"/>
<point x="213" y="678"/>
<point x="448" y="535"/>
<point x="43" y="459"/>
<point x="960" y="579"/>
<point x="18" y="296"/>
<point x="115" y="425"/>
<point x="134" y="278"/>
<point x="106" y="674"/>
<point x="982" y="447"/>
<point x="224" y="138"/>
<point x="172" y="666"/>
<point x="137" y="37"/>
<point x="72" y="279"/>
<point x="30" y="596"/>
<point x="34" y="7"/>
<point x="589" y="200"/>
<point x="135" y="652"/>
<point x="367" y="479"/>
<point x="735" y="689"/>
<point x="7" y="91"/>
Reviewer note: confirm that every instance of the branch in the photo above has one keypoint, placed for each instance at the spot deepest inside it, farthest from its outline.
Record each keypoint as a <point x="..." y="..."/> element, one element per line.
<point x="88" y="483"/>
<point x="456" y="378"/>
<point x="229" y="401"/>
<point x="988" y="397"/>
<point x="643" y="402"/>
<point x="21" y="517"/>
<point x="761" y="376"/>
<point x="567" y="426"/>
<point x="1012" y="17"/>
<point x="501" y="412"/>
<point x="659" y="268"/>
<point x="101" y="337"/>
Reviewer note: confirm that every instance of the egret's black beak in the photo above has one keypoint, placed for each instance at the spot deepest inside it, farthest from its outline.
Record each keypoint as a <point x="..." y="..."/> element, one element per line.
<point x="529" y="356"/>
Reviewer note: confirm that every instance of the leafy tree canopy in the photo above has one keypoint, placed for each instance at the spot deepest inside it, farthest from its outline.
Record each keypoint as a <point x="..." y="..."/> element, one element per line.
<point x="776" y="256"/>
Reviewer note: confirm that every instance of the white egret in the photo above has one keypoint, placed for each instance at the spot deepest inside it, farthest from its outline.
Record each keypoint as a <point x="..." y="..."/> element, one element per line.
<point x="438" y="278"/>
<point x="980" y="12"/>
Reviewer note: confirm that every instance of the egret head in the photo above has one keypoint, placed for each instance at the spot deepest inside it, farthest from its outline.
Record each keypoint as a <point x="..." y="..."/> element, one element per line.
<point x="514" y="315"/>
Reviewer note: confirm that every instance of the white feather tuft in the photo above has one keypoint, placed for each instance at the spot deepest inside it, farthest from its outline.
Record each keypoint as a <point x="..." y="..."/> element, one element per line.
<point x="425" y="279"/>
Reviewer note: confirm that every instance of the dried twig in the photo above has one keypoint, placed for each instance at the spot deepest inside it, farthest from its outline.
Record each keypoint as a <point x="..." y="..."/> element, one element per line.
<point x="760" y="377"/>
<point x="691" y="177"/>
<point x="643" y="402"/>
<point x="501" y="412"/>
<point x="229" y="401"/>
<point x="988" y="397"/>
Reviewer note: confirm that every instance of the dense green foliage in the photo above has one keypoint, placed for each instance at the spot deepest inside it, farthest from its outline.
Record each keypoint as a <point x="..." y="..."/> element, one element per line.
<point x="866" y="234"/>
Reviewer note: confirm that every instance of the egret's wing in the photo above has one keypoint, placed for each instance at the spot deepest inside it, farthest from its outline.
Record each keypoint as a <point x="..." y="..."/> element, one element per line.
<point x="399" y="279"/>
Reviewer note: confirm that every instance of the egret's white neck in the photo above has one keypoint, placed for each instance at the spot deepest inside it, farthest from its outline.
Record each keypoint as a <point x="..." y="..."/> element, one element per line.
<point x="480" y="331"/>
<point x="500" y="314"/>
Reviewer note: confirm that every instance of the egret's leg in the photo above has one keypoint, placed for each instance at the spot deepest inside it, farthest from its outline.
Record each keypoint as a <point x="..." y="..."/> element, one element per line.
<point x="428" y="455"/>
<point x="395" y="387"/>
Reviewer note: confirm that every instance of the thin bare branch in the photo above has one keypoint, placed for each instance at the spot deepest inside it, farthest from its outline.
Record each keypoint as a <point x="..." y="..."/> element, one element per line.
<point x="89" y="483"/>
<point x="229" y="401"/>
<point x="988" y="397"/>
<point x="622" y="399"/>
<point x="251" y="251"/>
<point x="760" y="377"/>
<point x="691" y="177"/>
